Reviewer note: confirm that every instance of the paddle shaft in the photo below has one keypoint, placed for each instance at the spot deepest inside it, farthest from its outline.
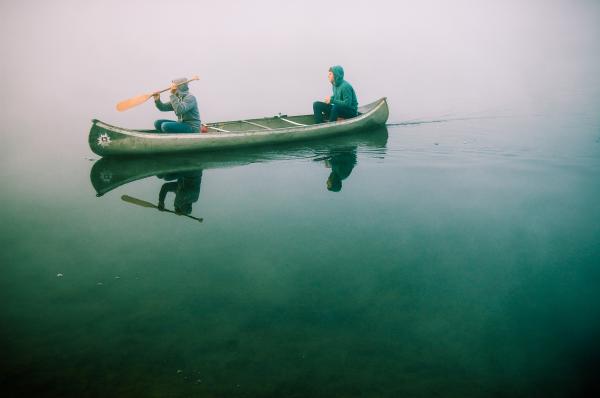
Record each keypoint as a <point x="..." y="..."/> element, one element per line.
<point x="140" y="99"/>
<point x="178" y="84"/>
<point x="143" y="203"/>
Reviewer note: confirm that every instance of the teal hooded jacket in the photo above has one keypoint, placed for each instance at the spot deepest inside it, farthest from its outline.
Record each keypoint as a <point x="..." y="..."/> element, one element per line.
<point x="343" y="93"/>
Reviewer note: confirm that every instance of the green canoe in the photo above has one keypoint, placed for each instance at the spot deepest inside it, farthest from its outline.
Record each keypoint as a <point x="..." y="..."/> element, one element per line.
<point x="107" y="140"/>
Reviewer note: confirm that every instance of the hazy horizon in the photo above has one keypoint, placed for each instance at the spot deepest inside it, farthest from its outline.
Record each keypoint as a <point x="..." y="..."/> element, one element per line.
<point x="260" y="58"/>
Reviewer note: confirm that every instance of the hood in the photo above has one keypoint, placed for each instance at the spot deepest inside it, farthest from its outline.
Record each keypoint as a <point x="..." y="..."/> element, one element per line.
<point x="183" y="89"/>
<point x="338" y="74"/>
<point x="334" y="182"/>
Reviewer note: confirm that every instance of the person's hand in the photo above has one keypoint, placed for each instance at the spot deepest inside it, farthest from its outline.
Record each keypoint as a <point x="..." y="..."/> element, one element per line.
<point x="327" y="100"/>
<point x="156" y="97"/>
<point x="173" y="88"/>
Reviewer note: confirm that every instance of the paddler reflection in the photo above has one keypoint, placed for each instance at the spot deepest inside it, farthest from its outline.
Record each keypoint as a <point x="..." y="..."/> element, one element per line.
<point x="341" y="163"/>
<point x="186" y="187"/>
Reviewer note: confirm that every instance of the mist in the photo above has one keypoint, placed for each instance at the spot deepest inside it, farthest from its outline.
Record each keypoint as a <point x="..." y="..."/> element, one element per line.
<point x="67" y="62"/>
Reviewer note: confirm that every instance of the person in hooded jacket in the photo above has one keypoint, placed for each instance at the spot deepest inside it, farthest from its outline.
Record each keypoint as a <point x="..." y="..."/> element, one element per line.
<point x="185" y="107"/>
<point x="342" y="103"/>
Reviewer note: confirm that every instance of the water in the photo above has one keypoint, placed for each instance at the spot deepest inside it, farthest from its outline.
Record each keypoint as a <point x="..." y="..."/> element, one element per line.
<point x="454" y="253"/>
<point x="449" y="263"/>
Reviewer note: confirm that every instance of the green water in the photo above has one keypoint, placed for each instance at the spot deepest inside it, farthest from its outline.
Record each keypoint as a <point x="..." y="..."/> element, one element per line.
<point x="458" y="258"/>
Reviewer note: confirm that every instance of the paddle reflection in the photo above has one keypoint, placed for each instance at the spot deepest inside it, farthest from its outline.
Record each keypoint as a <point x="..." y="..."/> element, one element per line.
<point x="182" y="174"/>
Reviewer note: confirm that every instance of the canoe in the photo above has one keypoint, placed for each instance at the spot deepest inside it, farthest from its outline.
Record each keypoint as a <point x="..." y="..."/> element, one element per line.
<point x="112" y="172"/>
<point x="107" y="140"/>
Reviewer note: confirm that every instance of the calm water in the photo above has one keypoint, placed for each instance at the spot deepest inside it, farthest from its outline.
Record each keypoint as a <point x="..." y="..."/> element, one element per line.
<point x="459" y="258"/>
<point x="454" y="253"/>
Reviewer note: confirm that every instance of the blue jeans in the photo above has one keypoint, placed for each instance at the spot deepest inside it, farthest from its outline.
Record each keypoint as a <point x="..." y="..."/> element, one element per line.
<point x="332" y="111"/>
<point x="171" y="126"/>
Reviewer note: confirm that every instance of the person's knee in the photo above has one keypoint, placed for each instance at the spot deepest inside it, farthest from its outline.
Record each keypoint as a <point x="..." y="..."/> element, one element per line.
<point x="165" y="127"/>
<point x="333" y="113"/>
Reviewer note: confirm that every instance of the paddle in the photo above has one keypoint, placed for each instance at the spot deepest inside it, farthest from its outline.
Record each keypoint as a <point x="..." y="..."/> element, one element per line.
<point x="140" y="99"/>
<point x="143" y="203"/>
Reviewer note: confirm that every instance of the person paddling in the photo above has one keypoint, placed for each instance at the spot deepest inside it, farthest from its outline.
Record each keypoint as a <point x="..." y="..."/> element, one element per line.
<point x="342" y="103"/>
<point x="185" y="107"/>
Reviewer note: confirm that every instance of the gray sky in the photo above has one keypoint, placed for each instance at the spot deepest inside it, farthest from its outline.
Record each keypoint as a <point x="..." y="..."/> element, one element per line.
<point x="73" y="60"/>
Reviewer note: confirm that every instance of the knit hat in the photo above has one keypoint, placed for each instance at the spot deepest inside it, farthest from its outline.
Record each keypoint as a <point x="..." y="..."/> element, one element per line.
<point x="181" y="87"/>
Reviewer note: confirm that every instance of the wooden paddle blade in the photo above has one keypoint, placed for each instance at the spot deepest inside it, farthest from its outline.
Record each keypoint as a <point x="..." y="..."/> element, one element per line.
<point x="136" y="201"/>
<point x="131" y="102"/>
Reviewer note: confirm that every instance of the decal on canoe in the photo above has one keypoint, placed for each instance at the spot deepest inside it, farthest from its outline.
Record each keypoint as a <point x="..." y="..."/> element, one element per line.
<point x="103" y="140"/>
<point x="106" y="176"/>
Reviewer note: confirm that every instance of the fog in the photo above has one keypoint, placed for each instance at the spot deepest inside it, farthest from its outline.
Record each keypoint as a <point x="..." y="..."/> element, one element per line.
<point x="66" y="62"/>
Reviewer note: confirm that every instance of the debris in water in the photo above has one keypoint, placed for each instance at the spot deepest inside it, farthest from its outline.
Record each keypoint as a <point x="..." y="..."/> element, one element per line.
<point x="436" y="143"/>
<point x="59" y="275"/>
<point x="99" y="284"/>
<point x="199" y="381"/>
<point x="179" y="371"/>
<point x="117" y="277"/>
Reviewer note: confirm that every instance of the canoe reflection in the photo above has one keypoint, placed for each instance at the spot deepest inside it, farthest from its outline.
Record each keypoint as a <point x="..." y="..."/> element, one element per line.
<point x="183" y="173"/>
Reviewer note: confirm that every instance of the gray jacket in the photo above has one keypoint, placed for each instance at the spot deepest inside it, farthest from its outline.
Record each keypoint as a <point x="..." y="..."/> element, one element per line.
<point x="185" y="106"/>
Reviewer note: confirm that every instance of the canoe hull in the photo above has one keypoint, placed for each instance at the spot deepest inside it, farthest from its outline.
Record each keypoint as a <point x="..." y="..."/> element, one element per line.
<point x="107" y="140"/>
